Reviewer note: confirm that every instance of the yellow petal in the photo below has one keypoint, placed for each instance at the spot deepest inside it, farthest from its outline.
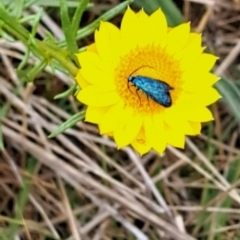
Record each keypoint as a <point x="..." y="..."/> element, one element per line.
<point x="110" y="134"/>
<point x="92" y="96"/>
<point x="95" y="71"/>
<point x="128" y="22"/>
<point x="140" y="144"/>
<point x="175" y="138"/>
<point x="126" y="116"/>
<point x="108" y="42"/>
<point x="98" y="78"/>
<point x="159" y="146"/>
<point x="128" y="31"/>
<point x="198" y="82"/>
<point x="157" y="27"/>
<point x="140" y="29"/>
<point x="81" y="80"/>
<point x="117" y="117"/>
<point x="177" y="38"/>
<point x="196" y="127"/>
<point x="191" y="52"/>
<point x="154" y="138"/>
<point x="126" y="135"/>
<point x="95" y="114"/>
<point x="142" y="37"/>
<point x="110" y="120"/>
<point x="176" y="121"/>
<point x="206" y="62"/>
<point x="203" y="97"/>
<point x="92" y="48"/>
<point x="158" y="124"/>
<point x="148" y="129"/>
<point x="87" y="58"/>
<point x="194" y="40"/>
<point x="188" y="57"/>
<point x="199" y="114"/>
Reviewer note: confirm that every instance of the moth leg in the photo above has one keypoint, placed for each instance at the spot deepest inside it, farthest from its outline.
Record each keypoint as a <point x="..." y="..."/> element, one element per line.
<point x="138" y="95"/>
<point x="129" y="88"/>
<point x="149" y="103"/>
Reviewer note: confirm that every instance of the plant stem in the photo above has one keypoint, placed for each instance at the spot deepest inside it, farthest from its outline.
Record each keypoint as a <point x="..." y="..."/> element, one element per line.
<point x="39" y="48"/>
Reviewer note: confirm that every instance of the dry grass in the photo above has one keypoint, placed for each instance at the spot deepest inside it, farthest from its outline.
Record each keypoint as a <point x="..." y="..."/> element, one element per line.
<point x="79" y="187"/>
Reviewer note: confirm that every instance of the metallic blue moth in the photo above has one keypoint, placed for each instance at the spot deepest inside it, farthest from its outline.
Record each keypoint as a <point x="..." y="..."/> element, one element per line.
<point x="157" y="90"/>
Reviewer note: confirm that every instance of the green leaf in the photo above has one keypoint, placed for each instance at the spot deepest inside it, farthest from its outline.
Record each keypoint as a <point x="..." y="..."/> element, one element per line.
<point x="67" y="29"/>
<point x="78" y="15"/>
<point x="90" y="28"/>
<point x="67" y="92"/>
<point x="68" y="124"/>
<point x="232" y="175"/>
<point x="18" y="8"/>
<point x="3" y="112"/>
<point x="31" y="40"/>
<point x="12" y="23"/>
<point x="21" y="199"/>
<point x="36" y="22"/>
<point x="54" y="3"/>
<point x="231" y="95"/>
<point x="1" y="139"/>
<point x="29" y="76"/>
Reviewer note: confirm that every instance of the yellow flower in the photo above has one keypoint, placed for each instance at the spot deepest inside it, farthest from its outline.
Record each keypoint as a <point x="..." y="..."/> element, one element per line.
<point x="144" y="47"/>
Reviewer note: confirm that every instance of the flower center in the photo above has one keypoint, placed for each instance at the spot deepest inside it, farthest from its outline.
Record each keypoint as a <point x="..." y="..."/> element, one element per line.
<point x="152" y="62"/>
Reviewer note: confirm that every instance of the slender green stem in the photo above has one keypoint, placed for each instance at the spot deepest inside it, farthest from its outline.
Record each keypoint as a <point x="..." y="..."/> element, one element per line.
<point x="13" y="23"/>
<point x="61" y="58"/>
<point x="39" y="48"/>
<point x="67" y="29"/>
<point x="77" y="17"/>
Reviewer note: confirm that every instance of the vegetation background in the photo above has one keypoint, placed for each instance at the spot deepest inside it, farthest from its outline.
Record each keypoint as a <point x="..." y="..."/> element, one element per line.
<point x="77" y="185"/>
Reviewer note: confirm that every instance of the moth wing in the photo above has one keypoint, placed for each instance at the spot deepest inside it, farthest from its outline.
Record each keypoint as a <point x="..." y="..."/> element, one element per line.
<point x="160" y="93"/>
<point x="155" y="89"/>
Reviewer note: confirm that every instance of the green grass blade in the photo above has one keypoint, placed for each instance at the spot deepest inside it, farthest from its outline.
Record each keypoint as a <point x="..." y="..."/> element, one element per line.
<point x="67" y="29"/>
<point x="3" y="112"/>
<point x="231" y="95"/>
<point x="68" y="124"/>
<point x="1" y="139"/>
<point x="207" y="195"/>
<point x="233" y="174"/>
<point x="67" y="92"/>
<point x="18" y="8"/>
<point x="22" y="197"/>
<point x="53" y="3"/>
<point x="78" y="15"/>
<point x="36" y="22"/>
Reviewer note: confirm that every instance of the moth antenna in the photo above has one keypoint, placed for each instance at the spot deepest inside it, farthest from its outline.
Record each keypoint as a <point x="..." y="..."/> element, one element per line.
<point x="140" y="68"/>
